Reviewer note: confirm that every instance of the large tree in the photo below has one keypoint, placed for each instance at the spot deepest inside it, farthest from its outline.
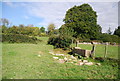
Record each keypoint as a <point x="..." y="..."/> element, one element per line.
<point x="83" y="20"/>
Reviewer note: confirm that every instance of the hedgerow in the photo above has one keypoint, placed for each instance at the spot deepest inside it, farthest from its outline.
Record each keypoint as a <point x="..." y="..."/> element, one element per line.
<point x="17" y="38"/>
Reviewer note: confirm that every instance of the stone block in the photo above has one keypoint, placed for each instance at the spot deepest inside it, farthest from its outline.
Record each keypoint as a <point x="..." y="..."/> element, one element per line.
<point x="82" y="52"/>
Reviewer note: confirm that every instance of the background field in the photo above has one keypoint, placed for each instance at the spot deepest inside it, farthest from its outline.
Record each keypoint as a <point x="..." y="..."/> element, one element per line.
<point x="112" y="51"/>
<point x="21" y="61"/>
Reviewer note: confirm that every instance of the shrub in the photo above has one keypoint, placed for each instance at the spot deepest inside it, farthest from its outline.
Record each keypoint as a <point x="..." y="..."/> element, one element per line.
<point x="109" y="38"/>
<point x="115" y="38"/>
<point x="105" y="37"/>
<point x="60" y="42"/>
<point x="17" y="38"/>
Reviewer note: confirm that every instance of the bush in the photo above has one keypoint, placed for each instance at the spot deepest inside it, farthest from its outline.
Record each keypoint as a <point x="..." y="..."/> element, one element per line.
<point x="115" y="38"/>
<point x="109" y="38"/>
<point x="17" y="38"/>
<point x="105" y="37"/>
<point x="60" y="42"/>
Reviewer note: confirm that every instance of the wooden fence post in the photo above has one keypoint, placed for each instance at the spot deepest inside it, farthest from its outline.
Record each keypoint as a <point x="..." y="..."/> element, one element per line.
<point x="76" y="44"/>
<point x="94" y="51"/>
<point x="72" y="44"/>
<point x="105" y="50"/>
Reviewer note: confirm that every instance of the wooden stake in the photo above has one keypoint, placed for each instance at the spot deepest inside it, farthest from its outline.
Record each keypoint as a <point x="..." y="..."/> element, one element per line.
<point x="94" y="51"/>
<point x="72" y="44"/>
<point x="105" y="50"/>
<point x="76" y="44"/>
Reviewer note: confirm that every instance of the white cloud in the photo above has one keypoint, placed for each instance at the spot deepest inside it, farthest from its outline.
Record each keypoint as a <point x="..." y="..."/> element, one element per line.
<point x="54" y="12"/>
<point x="107" y="15"/>
<point x="50" y="12"/>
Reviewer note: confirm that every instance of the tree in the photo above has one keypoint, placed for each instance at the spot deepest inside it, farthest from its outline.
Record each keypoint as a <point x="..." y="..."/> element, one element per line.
<point x="4" y="22"/>
<point x="51" y="28"/>
<point x="66" y="31"/>
<point x="56" y="31"/>
<point x="109" y="31"/>
<point x="42" y="30"/>
<point x="4" y="29"/>
<point x="21" y="25"/>
<point x="35" y="31"/>
<point x="83" y="20"/>
<point x="117" y="31"/>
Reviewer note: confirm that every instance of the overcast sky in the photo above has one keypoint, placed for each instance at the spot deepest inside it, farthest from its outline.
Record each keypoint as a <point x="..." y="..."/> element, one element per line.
<point x="43" y="13"/>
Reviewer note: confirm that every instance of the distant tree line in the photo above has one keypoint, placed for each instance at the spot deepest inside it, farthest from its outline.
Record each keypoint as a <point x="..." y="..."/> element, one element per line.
<point x="27" y="30"/>
<point x="21" y="33"/>
<point x="24" y="30"/>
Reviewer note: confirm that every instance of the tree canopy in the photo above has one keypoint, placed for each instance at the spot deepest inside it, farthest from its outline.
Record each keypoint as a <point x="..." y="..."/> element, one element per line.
<point x="83" y="20"/>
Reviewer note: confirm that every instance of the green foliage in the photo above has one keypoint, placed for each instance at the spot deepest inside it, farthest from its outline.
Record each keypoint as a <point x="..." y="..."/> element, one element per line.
<point x="66" y="31"/>
<point x="4" y="29"/>
<point x="63" y="39"/>
<point x="117" y="31"/>
<point x="105" y="37"/>
<point x="51" y="29"/>
<point x="60" y="42"/>
<point x="16" y="38"/>
<point x="83" y="20"/>
<point x="35" y="31"/>
<point x="115" y="38"/>
<point x="109" y="38"/>
<point x="42" y="34"/>
<point x="24" y="30"/>
<point x="56" y="32"/>
<point x="42" y="30"/>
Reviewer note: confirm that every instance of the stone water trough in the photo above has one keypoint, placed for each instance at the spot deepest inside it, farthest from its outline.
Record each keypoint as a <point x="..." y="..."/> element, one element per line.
<point x="82" y="52"/>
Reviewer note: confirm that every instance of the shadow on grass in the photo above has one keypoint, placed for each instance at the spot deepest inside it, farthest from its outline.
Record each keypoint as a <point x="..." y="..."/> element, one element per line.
<point x="107" y="59"/>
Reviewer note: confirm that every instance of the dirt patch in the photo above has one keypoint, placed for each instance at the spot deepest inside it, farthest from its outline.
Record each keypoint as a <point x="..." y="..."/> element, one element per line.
<point x="40" y="52"/>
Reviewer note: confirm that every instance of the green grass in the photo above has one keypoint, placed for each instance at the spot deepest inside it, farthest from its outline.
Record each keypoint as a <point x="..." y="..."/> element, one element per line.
<point x="112" y="51"/>
<point x="21" y="61"/>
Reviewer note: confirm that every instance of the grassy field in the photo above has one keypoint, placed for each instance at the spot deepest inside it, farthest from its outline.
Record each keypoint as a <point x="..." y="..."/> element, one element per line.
<point x="21" y="61"/>
<point x="112" y="51"/>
